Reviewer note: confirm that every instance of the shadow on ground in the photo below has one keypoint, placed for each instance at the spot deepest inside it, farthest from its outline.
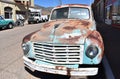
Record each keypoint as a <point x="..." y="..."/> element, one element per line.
<point x="43" y="75"/>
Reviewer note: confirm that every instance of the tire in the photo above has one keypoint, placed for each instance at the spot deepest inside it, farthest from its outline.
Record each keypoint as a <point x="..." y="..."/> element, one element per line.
<point x="37" y="21"/>
<point x="10" y="26"/>
<point x="29" y="22"/>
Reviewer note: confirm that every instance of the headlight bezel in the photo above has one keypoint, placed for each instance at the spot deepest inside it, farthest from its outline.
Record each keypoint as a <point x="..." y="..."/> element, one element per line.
<point x="26" y="48"/>
<point x="92" y="51"/>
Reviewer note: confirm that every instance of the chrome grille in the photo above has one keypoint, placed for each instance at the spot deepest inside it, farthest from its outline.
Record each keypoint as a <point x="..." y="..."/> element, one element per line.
<point x="57" y="53"/>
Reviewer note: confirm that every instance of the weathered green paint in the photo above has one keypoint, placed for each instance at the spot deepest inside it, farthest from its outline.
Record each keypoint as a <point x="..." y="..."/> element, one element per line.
<point x="50" y="64"/>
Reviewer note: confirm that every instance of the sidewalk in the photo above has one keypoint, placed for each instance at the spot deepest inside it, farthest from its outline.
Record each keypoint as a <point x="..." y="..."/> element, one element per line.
<point x="111" y="38"/>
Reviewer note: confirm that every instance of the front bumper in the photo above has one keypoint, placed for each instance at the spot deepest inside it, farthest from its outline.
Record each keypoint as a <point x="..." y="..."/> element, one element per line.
<point x="59" y="70"/>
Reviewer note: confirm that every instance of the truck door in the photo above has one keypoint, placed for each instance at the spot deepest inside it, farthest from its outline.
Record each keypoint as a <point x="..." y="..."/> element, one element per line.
<point x="2" y="21"/>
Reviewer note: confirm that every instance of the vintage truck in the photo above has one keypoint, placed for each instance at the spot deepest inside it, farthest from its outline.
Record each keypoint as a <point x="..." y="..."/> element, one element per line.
<point x="36" y="17"/>
<point x="68" y="44"/>
<point x="6" y="23"/>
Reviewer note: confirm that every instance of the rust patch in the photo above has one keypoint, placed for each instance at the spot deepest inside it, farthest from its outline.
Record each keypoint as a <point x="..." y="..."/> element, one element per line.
<point x="95" y="36"/>
<point x="51" y="23"/>
<point x="71" y="40"/>
<point x="91" y="36"/>
<point x="28" y="37"/>
<point x="75" y="38"/>
<point x="97" y="39"/>
<point x="73" y="5"/>
<point x="68" y="71"/>
<point x="69" y="28"/>
<point x="101" y="55"/>
<point x="85" y="23"/>
<point x="64" y="68"/>
<point x="60" y="67"/>
<point x="47" y="25"/>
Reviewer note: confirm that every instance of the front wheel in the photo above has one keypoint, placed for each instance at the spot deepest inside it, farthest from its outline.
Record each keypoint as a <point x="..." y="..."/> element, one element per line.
<point x="10" y="26"/>
<point x="29" y="22"/>
<point x="37" y="21"/>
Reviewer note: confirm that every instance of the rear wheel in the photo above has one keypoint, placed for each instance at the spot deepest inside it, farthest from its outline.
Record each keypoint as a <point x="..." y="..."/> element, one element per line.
<point x="10" y="25"/>
<point x="29" y="22"/>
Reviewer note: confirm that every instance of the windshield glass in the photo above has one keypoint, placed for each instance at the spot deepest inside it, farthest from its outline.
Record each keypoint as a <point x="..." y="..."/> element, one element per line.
<point x="61" y="13"/>
<point x="70" y="13"/>
<point x="31" y="14"/>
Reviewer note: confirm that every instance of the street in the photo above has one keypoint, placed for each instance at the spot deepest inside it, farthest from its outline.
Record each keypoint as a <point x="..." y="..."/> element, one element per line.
<point x="11" y="62"/>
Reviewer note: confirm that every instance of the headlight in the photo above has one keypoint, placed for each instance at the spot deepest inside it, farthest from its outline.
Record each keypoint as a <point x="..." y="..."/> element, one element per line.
<point x="91" y="51"/>
<point x="26" y="48"/>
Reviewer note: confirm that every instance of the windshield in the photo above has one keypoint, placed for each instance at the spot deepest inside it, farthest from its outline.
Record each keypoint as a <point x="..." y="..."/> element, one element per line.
<point x="70" y="13"/>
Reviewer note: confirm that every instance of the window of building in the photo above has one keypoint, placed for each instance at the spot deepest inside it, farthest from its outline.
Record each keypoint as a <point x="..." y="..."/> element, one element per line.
<point x="8" y="12"/>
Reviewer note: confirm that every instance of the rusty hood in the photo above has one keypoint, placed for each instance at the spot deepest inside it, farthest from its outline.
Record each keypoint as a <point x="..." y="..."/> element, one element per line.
<point x="62" y="31"/>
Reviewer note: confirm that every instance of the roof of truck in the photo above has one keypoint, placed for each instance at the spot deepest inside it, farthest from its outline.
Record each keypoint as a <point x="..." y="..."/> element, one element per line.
<point x="73" y="5"/>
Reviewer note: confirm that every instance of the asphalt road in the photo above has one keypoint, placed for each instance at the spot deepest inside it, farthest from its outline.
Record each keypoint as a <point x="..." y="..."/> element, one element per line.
<point x="11" y="62"/>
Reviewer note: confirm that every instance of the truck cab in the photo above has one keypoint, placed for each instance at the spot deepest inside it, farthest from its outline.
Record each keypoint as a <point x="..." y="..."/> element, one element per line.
<point x="68" y="44"/>
<point x="34" y="17"/>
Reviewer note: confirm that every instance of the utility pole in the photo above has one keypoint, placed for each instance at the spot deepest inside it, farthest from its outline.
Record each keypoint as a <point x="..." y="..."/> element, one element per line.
<point x="60" y="1"/>
<point x="27" y="9"/>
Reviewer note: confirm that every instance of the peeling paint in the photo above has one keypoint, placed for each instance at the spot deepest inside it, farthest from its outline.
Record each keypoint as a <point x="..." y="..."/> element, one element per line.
<point x="69" y="28"/>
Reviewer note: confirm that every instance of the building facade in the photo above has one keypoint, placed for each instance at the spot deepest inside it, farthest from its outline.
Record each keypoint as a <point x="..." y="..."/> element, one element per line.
<point x="99" y="10"/>
<point x="112" y="12"/>
<point x="107" y="11"/>
<point x="11" y="8"/>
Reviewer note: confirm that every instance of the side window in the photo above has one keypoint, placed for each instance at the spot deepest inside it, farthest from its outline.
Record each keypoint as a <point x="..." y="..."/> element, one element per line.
<point x="54" y="14"/>
<point x="39" y="15"/>
<point x="61" y="13"/>
<point x="1" y="18"/>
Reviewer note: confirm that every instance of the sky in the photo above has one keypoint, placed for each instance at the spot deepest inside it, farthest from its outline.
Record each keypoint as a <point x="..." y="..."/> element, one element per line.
<point x="53" y="3"/>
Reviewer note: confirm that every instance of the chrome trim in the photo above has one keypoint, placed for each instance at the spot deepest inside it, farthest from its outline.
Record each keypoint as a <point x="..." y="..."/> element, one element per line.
<point x="58" y="53"/>
<point x="60" y="70"/>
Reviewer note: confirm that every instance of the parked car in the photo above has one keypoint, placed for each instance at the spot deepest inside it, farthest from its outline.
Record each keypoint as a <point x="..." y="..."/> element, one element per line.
<point x="68" y="44"/>
<point x="6" y="23"/>
<point x="34" y="17"/>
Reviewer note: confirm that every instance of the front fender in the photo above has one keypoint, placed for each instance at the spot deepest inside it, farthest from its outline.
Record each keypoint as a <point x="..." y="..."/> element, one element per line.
<point x="94" y="38"/>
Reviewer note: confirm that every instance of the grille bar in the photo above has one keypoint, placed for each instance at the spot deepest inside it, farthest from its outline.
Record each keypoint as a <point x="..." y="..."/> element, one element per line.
<point x="57" y="53"/>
